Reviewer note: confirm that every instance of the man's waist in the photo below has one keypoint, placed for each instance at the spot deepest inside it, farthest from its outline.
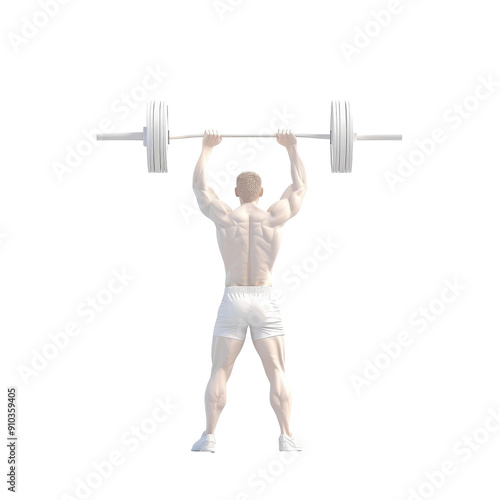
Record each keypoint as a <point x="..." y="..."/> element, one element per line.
<point x="247" y="289"/>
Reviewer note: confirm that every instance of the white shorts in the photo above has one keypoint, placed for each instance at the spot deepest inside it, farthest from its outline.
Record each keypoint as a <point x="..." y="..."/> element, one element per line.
<point x="248" y="306"/>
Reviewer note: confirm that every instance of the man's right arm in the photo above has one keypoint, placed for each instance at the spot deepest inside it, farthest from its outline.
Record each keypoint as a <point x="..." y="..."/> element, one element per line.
<point x="208" y="201"/>
<point x="291" y="200"/>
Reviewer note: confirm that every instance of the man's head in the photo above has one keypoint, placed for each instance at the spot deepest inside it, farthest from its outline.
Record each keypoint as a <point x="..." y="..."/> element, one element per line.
<point x="248" y="187"/>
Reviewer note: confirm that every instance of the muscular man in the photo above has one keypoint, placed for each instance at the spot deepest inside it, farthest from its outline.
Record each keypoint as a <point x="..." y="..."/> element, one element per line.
<point x="249" y="240"/>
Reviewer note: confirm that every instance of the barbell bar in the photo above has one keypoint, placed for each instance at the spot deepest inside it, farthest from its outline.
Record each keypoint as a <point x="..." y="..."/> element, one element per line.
<point x="156" y="136"/>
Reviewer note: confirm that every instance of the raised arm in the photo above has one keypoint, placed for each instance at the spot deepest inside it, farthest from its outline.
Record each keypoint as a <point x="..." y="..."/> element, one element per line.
<point x="291" y="200"/>
<point x="209" y="203"/>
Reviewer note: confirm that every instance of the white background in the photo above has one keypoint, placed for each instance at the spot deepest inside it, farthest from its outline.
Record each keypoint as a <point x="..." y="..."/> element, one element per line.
<point x="62" y="237"/>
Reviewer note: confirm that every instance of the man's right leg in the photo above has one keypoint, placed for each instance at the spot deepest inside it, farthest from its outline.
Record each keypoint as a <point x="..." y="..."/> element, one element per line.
<point x="272" y="353"/>
<point x="224" y="353"/>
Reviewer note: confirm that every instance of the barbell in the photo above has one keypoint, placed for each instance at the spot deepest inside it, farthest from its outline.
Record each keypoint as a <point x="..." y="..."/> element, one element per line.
<point x="156" y="136"/>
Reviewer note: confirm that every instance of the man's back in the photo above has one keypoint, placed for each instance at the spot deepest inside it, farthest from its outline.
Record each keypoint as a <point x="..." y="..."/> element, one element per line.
<point x="249" y="245"/>
<point x="249" y="238"/>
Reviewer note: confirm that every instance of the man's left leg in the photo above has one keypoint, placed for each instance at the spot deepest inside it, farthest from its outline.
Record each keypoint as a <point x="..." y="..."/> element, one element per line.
<point x="224" y="353"/>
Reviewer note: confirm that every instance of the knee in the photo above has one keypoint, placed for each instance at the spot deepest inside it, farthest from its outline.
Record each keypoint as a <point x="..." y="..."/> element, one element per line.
<point x="220" y="373"/>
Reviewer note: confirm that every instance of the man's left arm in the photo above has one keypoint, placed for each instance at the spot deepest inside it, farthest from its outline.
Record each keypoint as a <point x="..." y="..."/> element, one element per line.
<point x="209" y="203"/>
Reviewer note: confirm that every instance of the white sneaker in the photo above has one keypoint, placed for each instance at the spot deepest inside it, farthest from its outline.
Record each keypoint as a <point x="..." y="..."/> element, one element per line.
<point x="205" y="443"/>
<point x="288" y="444"/>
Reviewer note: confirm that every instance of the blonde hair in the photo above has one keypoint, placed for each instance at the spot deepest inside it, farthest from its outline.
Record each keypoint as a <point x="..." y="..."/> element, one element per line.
<point x="249" y="185"/>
